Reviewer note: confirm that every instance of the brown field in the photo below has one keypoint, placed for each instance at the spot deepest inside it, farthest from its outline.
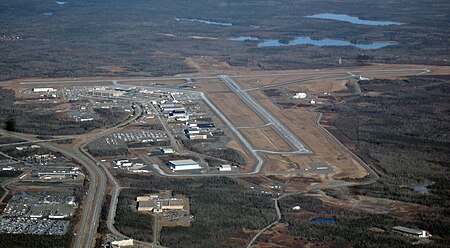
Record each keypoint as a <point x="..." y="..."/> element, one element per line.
<point x="399" y="209"/>
<point x="302" y="123"/>
<point x="265" y="138"/>
<point x="236" y="110"/>
<point x="318" y="86"/>
<point x="299" y="119"/>
<point x="206" y="63"/>
<point x="250" y="83"/>
<point x="278" y="162"/>
<point x="213" y="86"/>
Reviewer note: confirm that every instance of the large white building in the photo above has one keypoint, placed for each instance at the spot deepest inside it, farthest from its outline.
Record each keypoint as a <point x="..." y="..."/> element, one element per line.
<point x="299" y="95"/>
<point x="225" y="167"/>
<point x="185" y="164"/>
<point x="36" y="90"/>
<point x="411" y="232"/>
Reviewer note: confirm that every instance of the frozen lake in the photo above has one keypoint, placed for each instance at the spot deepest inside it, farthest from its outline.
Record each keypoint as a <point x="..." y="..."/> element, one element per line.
<point x="353" y="19"/>
<point x="304" y="40"/>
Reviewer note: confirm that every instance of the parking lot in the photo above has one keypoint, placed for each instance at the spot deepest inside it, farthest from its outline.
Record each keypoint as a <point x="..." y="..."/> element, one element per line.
<point x="40" y="205"/>
<point x="135" y="136"/>
<point x="33" y="226"/>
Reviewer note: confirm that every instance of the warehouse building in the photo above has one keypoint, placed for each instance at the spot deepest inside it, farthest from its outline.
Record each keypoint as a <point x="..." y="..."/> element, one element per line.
<point x="170" y="107"/>
<point x="159" y="204"/>
<point x="197" y="136"/>
<point x="40" y="90"/>
<point x="179" y="115"/>
<point x="186" y="164"/>
<point x="411" y="232"/>
<point x="167" y="150"/>
<point x="107" y="93"/>
<point x="122" y="243"/>
<point x="58" y="173"/>
<point x="191" y="130"/>
<point x="225" y="167"/>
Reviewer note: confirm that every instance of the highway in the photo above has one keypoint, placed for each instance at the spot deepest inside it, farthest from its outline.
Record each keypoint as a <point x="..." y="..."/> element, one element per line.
<point x="87" y="230"/>
<point x="99" y="175"/>
<point x="33" y="142"/>
<point x="87" y="224"/>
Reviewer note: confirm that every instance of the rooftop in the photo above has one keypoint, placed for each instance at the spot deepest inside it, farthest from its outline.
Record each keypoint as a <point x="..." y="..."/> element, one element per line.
<point x="183" y="162"/>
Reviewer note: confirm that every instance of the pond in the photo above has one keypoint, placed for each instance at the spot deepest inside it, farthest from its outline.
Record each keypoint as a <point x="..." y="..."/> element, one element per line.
<point x="352" y="19"/>
<point x="421" y="188"/>
<point x="304" y="40"/>
<point x="323" y="220"/>
<point x="244" y="38"/>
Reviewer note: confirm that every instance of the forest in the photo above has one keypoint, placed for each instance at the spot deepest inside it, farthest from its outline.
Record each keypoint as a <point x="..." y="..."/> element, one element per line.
<point x="222" y="209"/>
<point x="38" y="119"/>
<point x="143" y="38"/>
<point x="401" y="128"/>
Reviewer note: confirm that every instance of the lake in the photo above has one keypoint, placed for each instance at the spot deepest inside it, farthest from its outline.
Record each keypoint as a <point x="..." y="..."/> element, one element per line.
<point x="204" y="21"/>
<point x="353" y="19"/>
<point x="244" y="38"/>
<point x="304" y="40"/>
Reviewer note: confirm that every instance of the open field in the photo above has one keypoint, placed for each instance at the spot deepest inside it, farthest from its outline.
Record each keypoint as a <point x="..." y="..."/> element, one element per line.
<point x="265" y="138"/>
<point x="302" y="123"/>
<point x="236" y="110"/>
<point x="212" y="86"/>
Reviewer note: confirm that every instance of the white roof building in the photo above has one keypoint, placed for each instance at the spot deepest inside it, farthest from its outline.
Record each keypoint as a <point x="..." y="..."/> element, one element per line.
<point x="299" y="95"/>
<point x="43" y="90"/>
<point x="185" y="164"/>
<point x="225" y="167"/>
<point x="167" y="150"/>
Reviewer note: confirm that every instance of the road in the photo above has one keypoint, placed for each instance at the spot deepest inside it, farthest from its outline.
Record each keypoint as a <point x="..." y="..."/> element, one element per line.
<point x="98" y="175"/>
<point x="84" y="237"/>
<point x="115" y="81"/>
<point x="364" y="164"/>
<point x="87" y="230"/>
<point x="265" y="115"/>
<point x="33" y="142"/>
<point x="101" y="187"/>
<point x="277" y="208"/>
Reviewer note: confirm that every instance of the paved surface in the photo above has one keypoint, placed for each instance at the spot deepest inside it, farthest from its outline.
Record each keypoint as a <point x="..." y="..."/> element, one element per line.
<point x="266" y="115"/>
<point x="89" y="220"/>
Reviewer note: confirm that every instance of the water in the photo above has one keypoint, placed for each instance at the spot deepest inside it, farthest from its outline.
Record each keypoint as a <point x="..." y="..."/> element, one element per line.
<point x="244" y="38"/>
<point x="352" y="19"/>
<point x="204" y="21"/>
<point x="48" y="13"/>
<point x="421" y="188"/>
<point x="323" y="220"/>
<point x="304" y="40"/>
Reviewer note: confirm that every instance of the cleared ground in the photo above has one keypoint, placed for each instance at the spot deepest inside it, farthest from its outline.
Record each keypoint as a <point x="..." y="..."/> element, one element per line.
<point x="302" y="123"/>
<point x="236" y="110"/>
<point x="265" y="138"/>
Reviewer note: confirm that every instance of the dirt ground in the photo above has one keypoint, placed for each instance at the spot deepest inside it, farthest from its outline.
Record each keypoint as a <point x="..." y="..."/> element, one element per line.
<point x="236" y="110"/>
<point x="301" y="121"/>
<point x="265" y="138"/>
<point x="398" y="209"/>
